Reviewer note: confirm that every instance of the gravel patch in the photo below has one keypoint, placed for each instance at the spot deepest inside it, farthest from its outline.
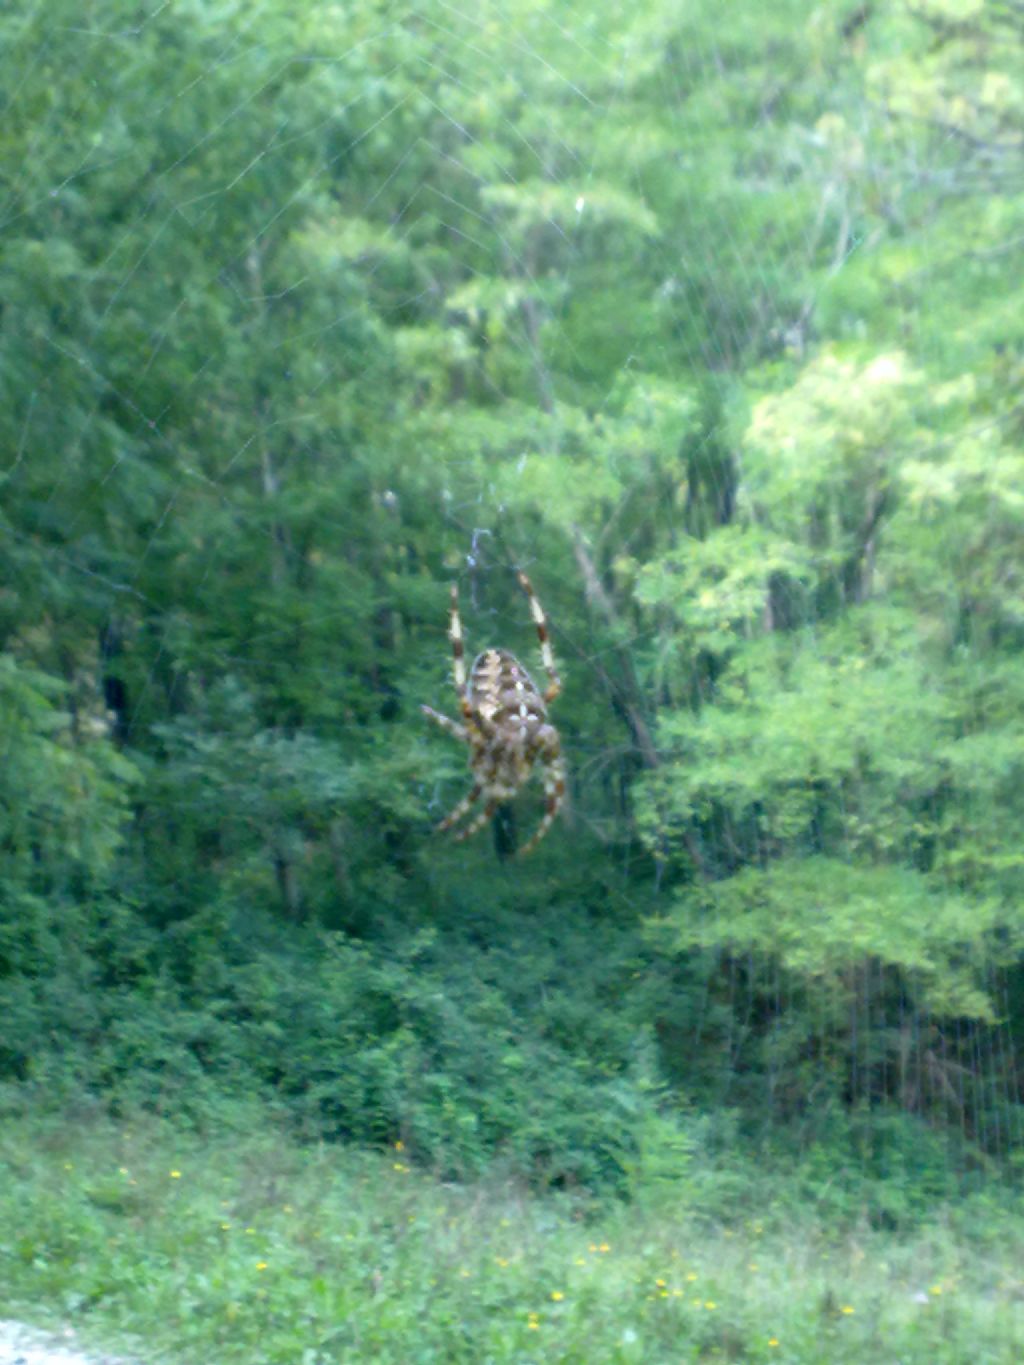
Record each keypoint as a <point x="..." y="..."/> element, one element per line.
<point x="21" y="1345"/>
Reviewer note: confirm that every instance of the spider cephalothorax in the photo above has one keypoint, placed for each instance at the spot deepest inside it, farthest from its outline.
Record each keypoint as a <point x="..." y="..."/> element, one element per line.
<point x="505" y="723"/>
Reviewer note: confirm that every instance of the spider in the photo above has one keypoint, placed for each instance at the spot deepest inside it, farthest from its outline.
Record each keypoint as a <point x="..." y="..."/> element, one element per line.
<point x="505" y="723"/>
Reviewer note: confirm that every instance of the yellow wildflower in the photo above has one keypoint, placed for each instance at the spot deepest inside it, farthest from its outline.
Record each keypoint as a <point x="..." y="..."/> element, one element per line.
<point x="557" y="1295"/>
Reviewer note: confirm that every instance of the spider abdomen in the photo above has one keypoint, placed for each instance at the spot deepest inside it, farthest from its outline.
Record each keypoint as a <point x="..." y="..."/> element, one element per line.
<point x="504" y="695"/>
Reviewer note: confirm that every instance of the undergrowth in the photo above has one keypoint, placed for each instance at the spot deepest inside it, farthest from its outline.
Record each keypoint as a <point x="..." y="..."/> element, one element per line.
<point x="250" y="1247"/>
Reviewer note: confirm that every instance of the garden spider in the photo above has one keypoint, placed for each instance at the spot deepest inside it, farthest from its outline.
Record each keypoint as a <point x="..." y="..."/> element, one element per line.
<point x="505" y="723"/>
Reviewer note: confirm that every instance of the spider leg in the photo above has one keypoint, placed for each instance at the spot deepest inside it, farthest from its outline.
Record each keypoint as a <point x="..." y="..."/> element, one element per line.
<point x="554" y="792"/>
<point x="456" y="814"/>
<point x="451" y="726"/>
<point x="478" y="823"/>
<point x="458" y="654"/>
<point x="546" y="652"/>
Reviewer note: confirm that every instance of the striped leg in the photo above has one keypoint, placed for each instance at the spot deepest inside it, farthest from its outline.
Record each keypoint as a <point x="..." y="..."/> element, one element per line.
<point x="546" y="652"/>
<point x="554" y="793"/>
<point x="458" y="655"/>
<point x="454" y="816"/>
<point x="451" y="726"/>
<point x="477" y="824"/>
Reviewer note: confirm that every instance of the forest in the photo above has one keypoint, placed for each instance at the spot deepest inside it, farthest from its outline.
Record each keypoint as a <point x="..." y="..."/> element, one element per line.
<point x="710" y="319"/>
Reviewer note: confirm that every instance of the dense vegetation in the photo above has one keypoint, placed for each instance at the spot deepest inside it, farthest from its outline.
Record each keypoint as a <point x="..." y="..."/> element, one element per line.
<point x="249" y="1249"/>
<point x="712" y="317"/>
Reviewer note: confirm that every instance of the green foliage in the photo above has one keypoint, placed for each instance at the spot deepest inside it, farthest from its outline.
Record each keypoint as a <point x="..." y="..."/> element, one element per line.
<point x="64" y="797"/>
<point x="64" y="802"/>
<point x="419" y="1038"/>
<point x="712" y="318"/>
<point x="145" y="1239"/>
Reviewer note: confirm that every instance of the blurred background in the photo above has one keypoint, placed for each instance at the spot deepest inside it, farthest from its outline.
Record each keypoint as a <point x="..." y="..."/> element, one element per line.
<point x="711" y="318"/>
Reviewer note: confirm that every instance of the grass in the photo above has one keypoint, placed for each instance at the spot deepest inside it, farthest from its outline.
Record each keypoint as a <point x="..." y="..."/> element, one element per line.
<point x="256" y="1250"/>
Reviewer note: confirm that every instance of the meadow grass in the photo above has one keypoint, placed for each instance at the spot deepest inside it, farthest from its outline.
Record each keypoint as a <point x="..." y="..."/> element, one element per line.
<point x="252" y="1248"/>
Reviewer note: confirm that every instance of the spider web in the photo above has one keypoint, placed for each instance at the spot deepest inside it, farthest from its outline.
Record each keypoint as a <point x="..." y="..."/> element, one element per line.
<point x="296" y="187"/>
